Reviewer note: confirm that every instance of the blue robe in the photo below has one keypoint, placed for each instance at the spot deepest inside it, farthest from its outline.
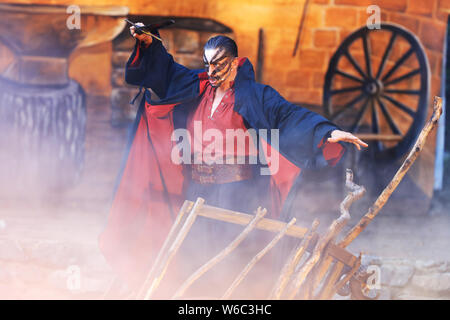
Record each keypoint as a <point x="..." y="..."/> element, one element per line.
<point x="150" y="188"/>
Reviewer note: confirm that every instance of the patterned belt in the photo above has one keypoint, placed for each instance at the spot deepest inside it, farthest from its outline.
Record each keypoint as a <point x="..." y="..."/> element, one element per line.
<point x="221" y="173"/>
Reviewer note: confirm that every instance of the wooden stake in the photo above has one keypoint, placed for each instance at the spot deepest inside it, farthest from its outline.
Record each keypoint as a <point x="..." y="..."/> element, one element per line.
<point x="162" y="267"/>
<point x="356" y="192"/>
<point x="327" y="290"/>
<point x="211" y="263"/>
<point x="293" y="261"/>
<point x="255" y="259"/>
<point x="315" y="260"/>
<point x="384" y="196"/>
<point x="162" y="254"/>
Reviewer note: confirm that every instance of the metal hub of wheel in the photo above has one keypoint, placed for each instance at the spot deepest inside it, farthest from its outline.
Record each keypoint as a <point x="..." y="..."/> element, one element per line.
<point x="373" y="87"/>
<point x="377" y="86"/>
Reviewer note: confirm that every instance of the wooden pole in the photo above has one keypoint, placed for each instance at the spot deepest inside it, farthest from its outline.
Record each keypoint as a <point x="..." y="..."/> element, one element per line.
<point x="211" y="263"/>
<point x="317" y="258"/>
<point x="293" y="260"/>
<point x="162" y="254"/>
<point x="162" y="267"/>
<point x="255" y="259"/>
<point x="244" y="219"/>
<point x="384" y="196"/>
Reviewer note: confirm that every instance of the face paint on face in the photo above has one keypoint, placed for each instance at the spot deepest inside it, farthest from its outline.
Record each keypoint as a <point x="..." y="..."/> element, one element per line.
<point x="218" y="65"/>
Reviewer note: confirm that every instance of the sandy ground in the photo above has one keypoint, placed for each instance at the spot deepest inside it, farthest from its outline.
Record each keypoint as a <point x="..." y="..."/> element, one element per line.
<point x="415" y="237"/>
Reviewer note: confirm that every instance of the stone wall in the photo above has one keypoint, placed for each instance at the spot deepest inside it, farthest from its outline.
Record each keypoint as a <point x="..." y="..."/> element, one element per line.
<point x="122" y="112"/>
<point x="403" y="279"/>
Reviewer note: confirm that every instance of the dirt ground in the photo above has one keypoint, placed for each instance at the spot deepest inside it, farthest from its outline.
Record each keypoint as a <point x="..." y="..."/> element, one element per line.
<point x="389" y="235"/>
<point x="408" y="226"/>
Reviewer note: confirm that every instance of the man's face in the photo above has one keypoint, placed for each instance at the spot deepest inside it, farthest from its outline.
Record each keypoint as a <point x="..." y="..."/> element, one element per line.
<point x="218" y="65"/>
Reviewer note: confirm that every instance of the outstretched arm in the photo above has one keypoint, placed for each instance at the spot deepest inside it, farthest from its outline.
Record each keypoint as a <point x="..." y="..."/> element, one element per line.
<point x="338" y="135"/>
<point x="305" y="136"/>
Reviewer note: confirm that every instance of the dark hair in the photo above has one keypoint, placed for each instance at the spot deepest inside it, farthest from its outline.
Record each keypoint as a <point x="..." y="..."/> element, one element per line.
<point x="222" y="42"/>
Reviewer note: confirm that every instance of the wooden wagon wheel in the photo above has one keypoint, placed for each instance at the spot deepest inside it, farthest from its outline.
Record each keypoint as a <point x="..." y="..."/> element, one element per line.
<point x="377" y="86"/>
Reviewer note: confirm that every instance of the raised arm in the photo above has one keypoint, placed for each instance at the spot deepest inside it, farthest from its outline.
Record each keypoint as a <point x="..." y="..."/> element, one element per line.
<point x="151" y="66"/>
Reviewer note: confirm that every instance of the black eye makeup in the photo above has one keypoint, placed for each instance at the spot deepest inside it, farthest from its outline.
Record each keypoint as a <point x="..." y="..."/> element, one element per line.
<point x="215" y="60"/>
<point x="220" y="64"/>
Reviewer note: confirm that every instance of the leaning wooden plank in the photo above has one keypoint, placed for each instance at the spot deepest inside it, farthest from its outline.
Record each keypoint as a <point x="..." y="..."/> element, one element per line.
<point x="341" y="254"/>
<point x="355" y="193"/>
<point x="302" y="274"/>
<point x="162" y="254"/>
<point x="347" y="277"/>
<point x="336" y="226"/>
<point x="255" y="259"/>
<point x="244" y="219"/>
<point x="384" y="196"/>
<point x="293" y="260"/>
<point x="219" y="257"/>
<point x="327" y="290"/>
<point x="162" y="267"/>
<point x="315" y="258"/>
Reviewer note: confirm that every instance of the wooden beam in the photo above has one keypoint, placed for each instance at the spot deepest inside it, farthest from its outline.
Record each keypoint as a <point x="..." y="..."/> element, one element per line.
<point x="273" y="226"/>
<point x="244" y="219"/>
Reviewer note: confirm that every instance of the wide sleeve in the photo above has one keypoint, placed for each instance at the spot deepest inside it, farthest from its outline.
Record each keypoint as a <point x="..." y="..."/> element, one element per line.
<point x="302" y="133"/>
<point x="153" y="67"/>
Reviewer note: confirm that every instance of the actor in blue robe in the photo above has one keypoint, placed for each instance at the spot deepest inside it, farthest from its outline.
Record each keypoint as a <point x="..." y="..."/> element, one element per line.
<point x="151" y="187"/>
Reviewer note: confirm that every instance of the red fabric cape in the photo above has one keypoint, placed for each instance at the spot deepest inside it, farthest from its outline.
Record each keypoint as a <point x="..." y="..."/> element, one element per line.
<point x="140" y="216"/>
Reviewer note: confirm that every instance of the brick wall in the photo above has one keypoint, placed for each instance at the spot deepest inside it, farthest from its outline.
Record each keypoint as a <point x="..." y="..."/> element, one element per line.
<point x="329" y="22"/>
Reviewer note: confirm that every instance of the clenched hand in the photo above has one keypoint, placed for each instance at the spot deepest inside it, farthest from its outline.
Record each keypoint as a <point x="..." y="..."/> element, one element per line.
<point x="145" y="38"/>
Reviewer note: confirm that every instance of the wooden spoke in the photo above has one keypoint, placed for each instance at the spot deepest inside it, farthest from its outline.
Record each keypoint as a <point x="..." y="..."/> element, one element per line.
<point x="388" y="117"/>
<point x="375" y="124"/>
<point x="386" y="55"/>
<point x="398" y="63"/>
<point x="367" y="52"/>
<point x="348" y="106"/>
<point x="345" y="90"/>
<point x="354" y="64"/>
<point x="361" y="113"/>
<point x="400" y="105"/>
<point x="404" y="77"/>
<point x="349" y="76"/>
<point x="410" y="92"/>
